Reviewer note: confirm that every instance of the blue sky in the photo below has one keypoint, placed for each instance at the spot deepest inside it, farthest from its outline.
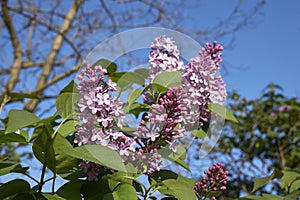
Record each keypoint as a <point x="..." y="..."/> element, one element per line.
<point x="269" y="52"/>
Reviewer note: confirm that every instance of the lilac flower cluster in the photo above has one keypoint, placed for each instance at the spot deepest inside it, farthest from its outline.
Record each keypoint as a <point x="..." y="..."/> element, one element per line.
<point x="100" y="114"/>
<point x="202" y="83"/>
<point x="215" y="180"/>
<point x="164" y="128"/>
<point x="163" y="57"/>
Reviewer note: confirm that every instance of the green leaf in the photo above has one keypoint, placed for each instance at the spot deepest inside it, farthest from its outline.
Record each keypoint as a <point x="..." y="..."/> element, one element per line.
<point x="260" y="182"/>
<point x="19" y="169"/>
<point x="124" y="192"/>
<point x="64" y="163"/>
<point x="122" y="177"/>
<point x="67" y="127"/>
<point x="168" y="79"/>
<point x="134" y="95"/>
<point x="98" y="189"/>
<point x="22" y="196"/>
<point x="109" y="65"/>
<point x="162" y="175"/>
<point x="98" y="154"/>
<point x="64" y="104"/>
<point x="271" y="197"/>
<point x="14" y="187"/>
<point x="199" y="133"/>
<point x="175" y="157"/>
<point x="6" y="167"/>
<point x="53" y="197"/>
<point x="288" y="178"/>
<point x="11" y="138"/>
<point x="252" y="197"/>
<point x="1" y="99"/>
<point x="71" y="190"/>
<point x="16" y="96"/>
<point x="43" y="148"/>
<point x="70" y="88"/>
<point x="222" y="111"/>
<point x="179" y="189"/>
<point x="18" y="119"/>
<point x="126" y="79"/>
<point x="293" y="195"/>
<point x="295" y="186"/>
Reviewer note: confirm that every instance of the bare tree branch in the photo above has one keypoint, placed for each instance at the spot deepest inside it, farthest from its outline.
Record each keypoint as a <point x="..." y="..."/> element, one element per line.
<point x="17" y="64"/>
<point x="54" y="51"/>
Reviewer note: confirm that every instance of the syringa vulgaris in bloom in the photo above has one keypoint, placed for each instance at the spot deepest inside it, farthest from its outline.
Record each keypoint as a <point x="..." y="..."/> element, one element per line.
<point x="171" y="114"/>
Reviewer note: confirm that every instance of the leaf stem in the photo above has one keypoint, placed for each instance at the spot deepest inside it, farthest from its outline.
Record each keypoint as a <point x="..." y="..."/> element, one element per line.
<point x="42" y="178"/>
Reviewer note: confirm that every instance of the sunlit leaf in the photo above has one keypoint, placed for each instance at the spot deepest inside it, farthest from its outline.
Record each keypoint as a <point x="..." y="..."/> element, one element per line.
<point x="179" y="189"/>
<point x="98" y="154"/>
<point x="6" y="167"/>
<point x="222" y="111"/>
<point x="124" y="192"/>
<point x="168" y="79"/>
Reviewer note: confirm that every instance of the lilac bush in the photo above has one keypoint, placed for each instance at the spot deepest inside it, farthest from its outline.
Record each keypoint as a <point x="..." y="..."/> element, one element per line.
<point x="171" y="115"/>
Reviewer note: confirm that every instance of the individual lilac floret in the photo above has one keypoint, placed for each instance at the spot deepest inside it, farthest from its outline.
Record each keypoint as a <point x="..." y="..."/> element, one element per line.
<point x="164" y="56"/>
<point x="215" y="180"/>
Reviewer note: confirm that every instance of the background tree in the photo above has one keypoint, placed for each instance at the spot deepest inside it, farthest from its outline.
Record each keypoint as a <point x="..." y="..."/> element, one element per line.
<point x="265" y="140"/>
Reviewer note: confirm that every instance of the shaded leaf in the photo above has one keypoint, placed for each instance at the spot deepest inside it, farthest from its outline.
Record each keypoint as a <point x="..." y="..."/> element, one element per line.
<point x="11" y="138"/>
<point x="17" y="96"/>
<point x="13" y="187"/>
<point x="64" y="163"/>
<point x="71" y="190"/>
<point x="109" y="65"/>
<point x="70" y="88"/>
<point x="43" y="148"/>
<point x="53" y="197"/>
<point x="18" y="119"/>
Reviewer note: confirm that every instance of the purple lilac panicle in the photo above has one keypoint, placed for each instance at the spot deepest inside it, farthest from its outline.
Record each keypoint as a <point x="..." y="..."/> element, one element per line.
<point x="99" y="114"/>
<point x="215" y="180"/>
<point x="164" y="56"/>
<point x="163" y="129"/>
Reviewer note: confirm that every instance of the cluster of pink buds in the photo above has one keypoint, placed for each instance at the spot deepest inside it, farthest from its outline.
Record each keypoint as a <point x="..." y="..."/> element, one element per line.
<point x="163" y="129"/>
<point x="215" y="180"/>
